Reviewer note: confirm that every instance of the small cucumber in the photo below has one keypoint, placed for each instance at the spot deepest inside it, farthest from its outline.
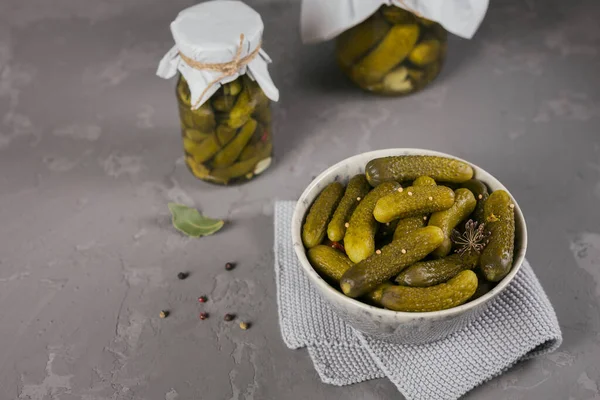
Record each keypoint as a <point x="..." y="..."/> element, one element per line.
<point x="433" y="298"/>
<point x="480" y="191"/>
<point x="408" y="225"/>
<point x="389" y="52"/>
<point x="497" y="257"/>
<point x="391" y="260"/>
<point x="413" y="201"/>
<point x="424" y="181"/>
<point x="230" y="153"/>
<point x="328" y="262"/>
<point x="357" y="189"/>
<point x="433" y="272"/>
<point x="375" y="296"/>
<point x="447" y="220"/>
<point x="331" y="265"/>
<point x="359" y="240"/>
<point x="401" y="168"/>
<point x="315" y="226"/>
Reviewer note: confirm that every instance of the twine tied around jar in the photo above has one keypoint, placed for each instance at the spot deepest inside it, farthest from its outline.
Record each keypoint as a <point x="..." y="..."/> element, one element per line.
<point x="229" y="68"/>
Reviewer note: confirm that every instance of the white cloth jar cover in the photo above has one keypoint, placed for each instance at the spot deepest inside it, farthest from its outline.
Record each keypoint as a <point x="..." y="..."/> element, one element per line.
<point x="323" y="20"/>
<point x="210" y="33"/>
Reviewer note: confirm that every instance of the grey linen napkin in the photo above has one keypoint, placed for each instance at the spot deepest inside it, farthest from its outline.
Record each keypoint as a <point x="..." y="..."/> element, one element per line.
<point x="520" y="324"/>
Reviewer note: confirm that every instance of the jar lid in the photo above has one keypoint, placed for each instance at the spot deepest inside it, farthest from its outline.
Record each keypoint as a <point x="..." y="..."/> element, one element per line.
<point x="215" y="43"/>
<point x="322" y="20"/>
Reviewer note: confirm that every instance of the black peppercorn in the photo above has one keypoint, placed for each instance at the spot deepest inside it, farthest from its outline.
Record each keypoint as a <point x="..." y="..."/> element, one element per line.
<point x="182" y="275"/>
<point x="229" y="317"/>
<point x="229" y="266"/>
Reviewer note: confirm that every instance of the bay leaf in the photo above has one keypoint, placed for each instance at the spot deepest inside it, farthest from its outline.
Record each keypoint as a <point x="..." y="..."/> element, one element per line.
<point x="190" y="222"/>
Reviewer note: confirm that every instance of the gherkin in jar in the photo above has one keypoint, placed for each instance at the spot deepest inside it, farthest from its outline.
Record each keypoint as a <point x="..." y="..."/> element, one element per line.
<point x="227" y="140"/>
<point x="393" y="52"/>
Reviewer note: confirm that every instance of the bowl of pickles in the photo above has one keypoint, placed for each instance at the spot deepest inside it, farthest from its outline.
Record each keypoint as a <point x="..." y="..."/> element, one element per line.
<point x="408" y="245"/>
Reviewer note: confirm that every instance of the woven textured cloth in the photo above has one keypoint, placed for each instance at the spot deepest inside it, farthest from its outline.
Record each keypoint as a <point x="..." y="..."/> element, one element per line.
<point x="518" y="325"/>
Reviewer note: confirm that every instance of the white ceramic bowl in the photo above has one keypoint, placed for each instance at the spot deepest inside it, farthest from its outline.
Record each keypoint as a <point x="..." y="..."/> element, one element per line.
<point x="393" y="326"/>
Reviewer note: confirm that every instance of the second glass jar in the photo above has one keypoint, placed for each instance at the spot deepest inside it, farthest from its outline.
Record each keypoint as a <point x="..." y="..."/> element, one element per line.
<point x="393" y="52"/>
<point x="228" y="139"/>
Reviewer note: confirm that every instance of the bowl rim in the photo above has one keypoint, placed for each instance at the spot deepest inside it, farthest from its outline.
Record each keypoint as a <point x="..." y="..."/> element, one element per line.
<point x="300" y="251"/>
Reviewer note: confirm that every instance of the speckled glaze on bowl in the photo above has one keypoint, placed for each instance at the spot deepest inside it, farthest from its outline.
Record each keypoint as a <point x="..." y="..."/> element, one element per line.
<point x="393" y="326"/>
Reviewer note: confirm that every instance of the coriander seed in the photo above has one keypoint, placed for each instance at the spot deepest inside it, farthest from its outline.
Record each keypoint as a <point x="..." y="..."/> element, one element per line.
<point x="244" y="325"/>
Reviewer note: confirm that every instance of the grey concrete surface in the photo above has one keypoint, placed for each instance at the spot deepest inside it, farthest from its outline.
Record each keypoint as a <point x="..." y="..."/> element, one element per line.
<point x="90" y="155"/>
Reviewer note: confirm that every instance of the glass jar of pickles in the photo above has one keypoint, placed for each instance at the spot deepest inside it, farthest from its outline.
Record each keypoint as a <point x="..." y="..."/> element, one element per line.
<point x="223" y="91"/>
<point x="393" y="52"/>
<point x="227" y="139"/>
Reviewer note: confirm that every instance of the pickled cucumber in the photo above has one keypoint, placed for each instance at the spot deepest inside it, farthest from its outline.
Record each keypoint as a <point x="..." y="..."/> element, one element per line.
<point x="320" y="213"/>
<point x="390" y="64"/>
<point x="242" y="110"/>
<point x="425" y="52"/>
<point x="261" y="134"/>
<point x="185" y="117"/>
<point x="245" y="168"/>
<point x="357" y="189"/>
<point x="183" y="92"/>
<point x="408" y="225"/>
<point x="447" y="220"/>
<point x="374" y="297"/>
<point x="195" y="135"/>
<point x="397" y="15"/>
<point x="413" y="201"/>
<point x="233" y="149"/>
<point x="232" y="88"/>
<point x="393" y="258"/>
<point x="198" y="170"/>
<point x="426" y="22"/>
<point x="388" y="53"/>
<point x="223" y="103"/>
<point x="203" y="118"/>
<point x="433" y="272"/>
<point x="497" y="257"/>
<point x="356" y="42"/>
<point x="224" y="134"/>
<point x="433" y="298"/>
<point x="424" y="181"/>
<point x="256" y="93"/>
<point x="359" y="240"/>
<point x="328" y="262"/>
<point x="400" y="168"/>
<point x="263" y="115"/>
<point x="331" y="265"/>
<point x="416" y="75"/>
<point x="431" y="71"/>
<point x="480" y="191"/>
<point x="204" y="150"/>
<point x="252" y="150"/>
